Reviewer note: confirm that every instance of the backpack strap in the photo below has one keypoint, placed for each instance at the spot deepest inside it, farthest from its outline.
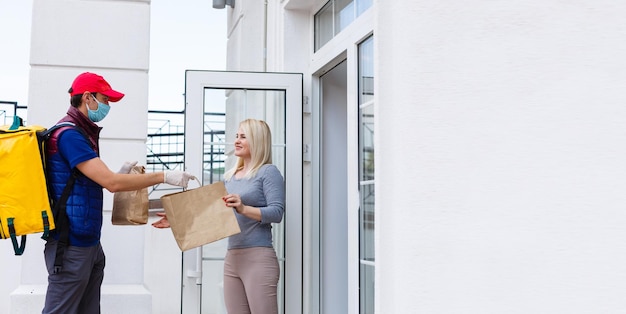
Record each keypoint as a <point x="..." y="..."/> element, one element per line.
<point x="17" y="123"/>
<point x="60" y="215"/>
<point x="62" y="221"/>
<point x="45" y="135"/>
<point x="19" y="249"/>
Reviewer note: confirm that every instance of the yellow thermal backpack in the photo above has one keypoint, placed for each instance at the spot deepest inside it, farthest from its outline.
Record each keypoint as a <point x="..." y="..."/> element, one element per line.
<point x="24" y="201"/>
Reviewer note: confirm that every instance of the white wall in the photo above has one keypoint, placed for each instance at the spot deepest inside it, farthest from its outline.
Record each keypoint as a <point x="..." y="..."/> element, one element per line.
<point x="500" y="156"/>
<point x="246" y="27"/>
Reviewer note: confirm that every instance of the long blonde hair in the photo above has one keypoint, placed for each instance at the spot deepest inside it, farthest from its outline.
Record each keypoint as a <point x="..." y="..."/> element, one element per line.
<point x="259" y="139"/>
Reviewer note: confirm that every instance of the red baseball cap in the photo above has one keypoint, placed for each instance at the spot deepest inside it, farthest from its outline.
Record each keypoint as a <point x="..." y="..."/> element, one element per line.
<point x="94" y="83"/>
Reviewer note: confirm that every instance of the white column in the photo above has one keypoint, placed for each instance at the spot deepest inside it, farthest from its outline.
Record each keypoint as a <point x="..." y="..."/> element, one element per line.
<point x="111" y="38"/>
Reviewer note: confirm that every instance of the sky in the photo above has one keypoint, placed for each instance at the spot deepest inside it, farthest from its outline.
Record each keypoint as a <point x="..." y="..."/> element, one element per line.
<point x="190" y="30"/>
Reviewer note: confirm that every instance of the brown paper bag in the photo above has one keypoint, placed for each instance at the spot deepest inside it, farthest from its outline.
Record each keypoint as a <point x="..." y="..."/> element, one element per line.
<point x="131" y="207"/>
<point x="199" y="216"/>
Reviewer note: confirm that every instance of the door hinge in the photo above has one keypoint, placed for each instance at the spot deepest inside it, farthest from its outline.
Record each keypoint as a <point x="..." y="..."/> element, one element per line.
<point x="306" y="106"/>
<point x="306" y="152"/>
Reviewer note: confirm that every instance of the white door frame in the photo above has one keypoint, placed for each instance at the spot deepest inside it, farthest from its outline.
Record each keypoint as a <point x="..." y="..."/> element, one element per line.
<point x="195" y="83"/>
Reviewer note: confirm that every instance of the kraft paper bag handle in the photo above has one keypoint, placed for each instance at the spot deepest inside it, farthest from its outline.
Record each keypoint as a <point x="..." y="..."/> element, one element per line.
<point x="195" y="179"/>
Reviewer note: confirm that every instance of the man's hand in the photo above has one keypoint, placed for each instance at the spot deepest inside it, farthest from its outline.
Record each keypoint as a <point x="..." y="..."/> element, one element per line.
<point x="177" y="177"/>
<point x="127" y="167"/>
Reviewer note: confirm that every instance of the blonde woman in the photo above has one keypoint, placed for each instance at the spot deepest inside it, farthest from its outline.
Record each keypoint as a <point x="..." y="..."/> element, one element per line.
<point x="257" y="193"/>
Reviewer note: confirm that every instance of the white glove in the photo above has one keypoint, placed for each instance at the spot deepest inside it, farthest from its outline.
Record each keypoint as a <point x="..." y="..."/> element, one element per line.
<point x="127" y="167"/>
<point x="177" y="177"/>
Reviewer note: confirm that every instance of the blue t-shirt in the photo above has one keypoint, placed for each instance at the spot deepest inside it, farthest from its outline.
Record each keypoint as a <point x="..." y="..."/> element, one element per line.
<point x="74" y="147"/>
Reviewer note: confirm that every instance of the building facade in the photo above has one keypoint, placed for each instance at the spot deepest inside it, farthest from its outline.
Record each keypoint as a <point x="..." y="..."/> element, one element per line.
<point x="440" y="157"/>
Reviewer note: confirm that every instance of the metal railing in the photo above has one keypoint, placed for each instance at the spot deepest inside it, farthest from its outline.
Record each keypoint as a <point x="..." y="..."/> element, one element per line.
<point x="166" y="144"/>
<point x="10" y="109"/>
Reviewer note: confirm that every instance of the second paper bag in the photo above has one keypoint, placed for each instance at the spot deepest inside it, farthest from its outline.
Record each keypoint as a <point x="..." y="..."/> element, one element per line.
<point x="199" y="216"/>
<point x="131" y="207"/>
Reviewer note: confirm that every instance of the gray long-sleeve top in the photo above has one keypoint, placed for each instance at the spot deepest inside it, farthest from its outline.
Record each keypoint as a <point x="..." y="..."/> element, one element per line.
<point x="265" y="191"/>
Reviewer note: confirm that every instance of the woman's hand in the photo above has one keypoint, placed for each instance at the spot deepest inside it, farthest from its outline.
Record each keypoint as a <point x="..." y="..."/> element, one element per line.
<point x="163" y="223"/>
<point x="234" y="201"/>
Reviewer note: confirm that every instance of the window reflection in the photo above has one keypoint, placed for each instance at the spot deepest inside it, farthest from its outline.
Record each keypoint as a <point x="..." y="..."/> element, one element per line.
<point x="223" y="110"/>
<point x="366" y="176"/>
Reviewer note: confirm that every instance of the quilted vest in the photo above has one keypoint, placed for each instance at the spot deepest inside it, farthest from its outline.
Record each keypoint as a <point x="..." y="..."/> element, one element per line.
<point x="84" y="205"/>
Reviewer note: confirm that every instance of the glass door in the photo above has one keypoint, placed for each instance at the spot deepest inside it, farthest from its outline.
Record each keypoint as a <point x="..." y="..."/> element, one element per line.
<point x="215" y="103"/>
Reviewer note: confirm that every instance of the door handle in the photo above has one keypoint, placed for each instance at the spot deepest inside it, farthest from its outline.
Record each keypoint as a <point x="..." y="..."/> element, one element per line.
<point x="197" y="273"/>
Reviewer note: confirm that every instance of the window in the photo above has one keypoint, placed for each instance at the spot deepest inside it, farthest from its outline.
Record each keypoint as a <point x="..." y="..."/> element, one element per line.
<point x="335" y="16"/>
